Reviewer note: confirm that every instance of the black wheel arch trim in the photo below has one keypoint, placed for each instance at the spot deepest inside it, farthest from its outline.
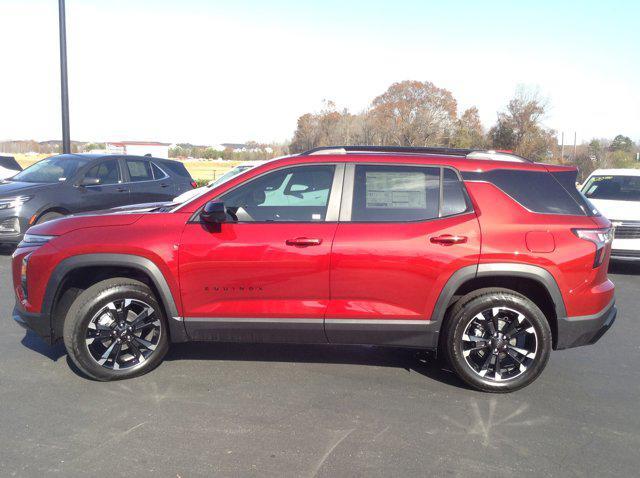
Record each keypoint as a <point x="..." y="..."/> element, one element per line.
<point x="176" y="323"/>
<point x="498" y="269"/>
<point x="142" y="264"/>
<point x="529" y="271"/>
<point x="50" y="207"/>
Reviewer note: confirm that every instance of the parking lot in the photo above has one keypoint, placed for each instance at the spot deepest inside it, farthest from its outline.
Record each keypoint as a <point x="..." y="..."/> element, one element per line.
<point x="242" y="410"/>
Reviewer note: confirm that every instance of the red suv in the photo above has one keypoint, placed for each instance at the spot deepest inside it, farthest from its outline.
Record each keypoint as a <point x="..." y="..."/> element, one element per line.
<point x="485" y="256"/>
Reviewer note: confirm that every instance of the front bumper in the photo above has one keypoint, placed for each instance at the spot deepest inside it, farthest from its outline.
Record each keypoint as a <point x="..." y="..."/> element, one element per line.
<point x="12" y="227"/>
<point x="626" y="242"/>
<point x="39" y="323"/>
<point x="625" y="254"/>
<point x="587" y="330"/>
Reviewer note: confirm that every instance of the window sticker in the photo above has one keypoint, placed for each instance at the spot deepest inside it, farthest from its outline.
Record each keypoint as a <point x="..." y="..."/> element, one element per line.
<point x="396" y="190"/>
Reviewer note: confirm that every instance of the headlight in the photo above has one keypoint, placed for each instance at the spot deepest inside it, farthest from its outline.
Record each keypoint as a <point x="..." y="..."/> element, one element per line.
<point x="23" y="274"/>
<point x="11" y="203"/>
<point x="34" y="240"/>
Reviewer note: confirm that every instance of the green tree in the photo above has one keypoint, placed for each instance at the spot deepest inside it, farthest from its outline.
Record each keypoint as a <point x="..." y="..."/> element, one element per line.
<point x="621" y="143"/>
<point x="595" y="149"/>
<point x="210" y="153"/>
<point x="468" y="132"/>
<point x="93" y="146"/>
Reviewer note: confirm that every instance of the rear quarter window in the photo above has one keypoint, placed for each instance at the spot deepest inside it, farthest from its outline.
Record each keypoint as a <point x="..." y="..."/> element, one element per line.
<point x="176" y="167"/>
<point x="158" y="173"/>
<point x="568" y="181"/>
<point x="454" y="196"/>
<point x="537" y="191"/>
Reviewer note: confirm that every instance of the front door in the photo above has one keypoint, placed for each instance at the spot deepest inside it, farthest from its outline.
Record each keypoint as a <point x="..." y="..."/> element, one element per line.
<point x="403" y="231"/>
<point x="264" y="274"/>
<point x="107" y="193"/>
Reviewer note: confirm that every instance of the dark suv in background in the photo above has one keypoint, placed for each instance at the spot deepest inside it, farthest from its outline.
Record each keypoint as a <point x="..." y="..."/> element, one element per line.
<point x="73" y="183"/>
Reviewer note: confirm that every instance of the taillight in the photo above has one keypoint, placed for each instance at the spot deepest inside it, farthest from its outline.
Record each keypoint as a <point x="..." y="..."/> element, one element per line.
<point x="600" y="237"/>
<point x="194" y="184"/>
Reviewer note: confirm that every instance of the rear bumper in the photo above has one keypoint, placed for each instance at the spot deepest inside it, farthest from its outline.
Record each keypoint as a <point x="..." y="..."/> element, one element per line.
<point x="39" y="323"/>
<point x="587" y="330"/>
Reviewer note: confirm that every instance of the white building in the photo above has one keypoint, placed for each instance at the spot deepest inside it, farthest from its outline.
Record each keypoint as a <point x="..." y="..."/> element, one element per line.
<point x="139" y="148"/>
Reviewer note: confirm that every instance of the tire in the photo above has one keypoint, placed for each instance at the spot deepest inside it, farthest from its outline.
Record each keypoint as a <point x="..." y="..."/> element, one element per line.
<point x="497" y="359"/>
<point x="49" y="216"/>
<point x="119" y="319"/>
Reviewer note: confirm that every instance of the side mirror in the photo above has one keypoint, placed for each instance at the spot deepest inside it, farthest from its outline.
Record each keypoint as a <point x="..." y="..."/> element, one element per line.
<point x="89" y="182"/>
<point x="214" y="213"/>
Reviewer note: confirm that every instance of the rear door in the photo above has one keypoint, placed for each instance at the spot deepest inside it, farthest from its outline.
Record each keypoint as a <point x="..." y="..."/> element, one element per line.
<point x="403" y="231"/>
<point x="180" y="178"/>
<point x="147" y="181"/>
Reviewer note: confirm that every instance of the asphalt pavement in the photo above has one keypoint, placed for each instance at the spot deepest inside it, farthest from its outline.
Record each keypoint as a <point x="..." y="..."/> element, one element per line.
<point x="305" y="411"/>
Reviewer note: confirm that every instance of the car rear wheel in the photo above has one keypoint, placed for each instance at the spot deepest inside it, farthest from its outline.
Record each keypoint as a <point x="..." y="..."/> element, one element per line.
<point x="497" y="340"/>
<point x="116" y="329"/>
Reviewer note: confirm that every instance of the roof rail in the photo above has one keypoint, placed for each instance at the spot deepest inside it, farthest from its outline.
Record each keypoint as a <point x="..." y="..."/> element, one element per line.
<point x="387" y="149"/>
<point x="462" y="152"/>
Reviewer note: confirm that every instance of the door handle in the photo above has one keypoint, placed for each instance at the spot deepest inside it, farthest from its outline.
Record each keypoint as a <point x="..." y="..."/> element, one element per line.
<point x="164" y="185"/>
<point x="303" y="242"/>
<point x="448" y="240"/>
<point x="122" y="190"/>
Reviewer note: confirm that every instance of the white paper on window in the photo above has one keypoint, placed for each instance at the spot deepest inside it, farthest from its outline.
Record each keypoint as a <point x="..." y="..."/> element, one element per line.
<point x="396" y="190"/>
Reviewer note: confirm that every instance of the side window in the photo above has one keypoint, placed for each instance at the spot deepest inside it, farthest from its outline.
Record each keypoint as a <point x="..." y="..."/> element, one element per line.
<point x="107" y="172"/>
<point x="157" y="172"/>
<point x="535" y="190"/>
<point x="299" y="194"/>
<point x="395" y="193"/>
<point x="454" y="196"/>
<point x="139" y="170"/>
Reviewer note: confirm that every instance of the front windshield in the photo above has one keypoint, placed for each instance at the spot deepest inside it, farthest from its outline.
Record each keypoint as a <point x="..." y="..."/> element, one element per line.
<point x="51" y="170"/>
<point x="615" y="188"/>
<point x="230" y="174"/>
<point x="194" y="193"/>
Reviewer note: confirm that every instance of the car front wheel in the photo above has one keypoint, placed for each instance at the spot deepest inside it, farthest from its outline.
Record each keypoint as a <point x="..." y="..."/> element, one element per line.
<point x="497" y="340"/>
<point x="116" y="329"/>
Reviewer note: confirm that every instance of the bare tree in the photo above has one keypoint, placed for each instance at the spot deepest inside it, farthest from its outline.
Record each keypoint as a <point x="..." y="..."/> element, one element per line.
<point x="519" y="127"/>
<point x="413" y="113"/>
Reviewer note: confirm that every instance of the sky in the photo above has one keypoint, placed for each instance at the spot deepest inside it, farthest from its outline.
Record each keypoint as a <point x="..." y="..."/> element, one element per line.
<point x="208" y="72"/>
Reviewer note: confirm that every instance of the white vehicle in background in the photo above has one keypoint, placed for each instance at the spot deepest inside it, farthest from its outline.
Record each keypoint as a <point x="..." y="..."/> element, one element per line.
<point x="9" y="167"/>
<point x="616" y="194"/>
<point x="232" y="173"/>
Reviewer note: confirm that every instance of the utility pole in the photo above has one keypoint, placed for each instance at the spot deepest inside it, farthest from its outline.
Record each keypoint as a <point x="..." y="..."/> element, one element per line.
<point x="562" y="149"/>
<point x="575" y="142"/>
<point x="64" y="85"/>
